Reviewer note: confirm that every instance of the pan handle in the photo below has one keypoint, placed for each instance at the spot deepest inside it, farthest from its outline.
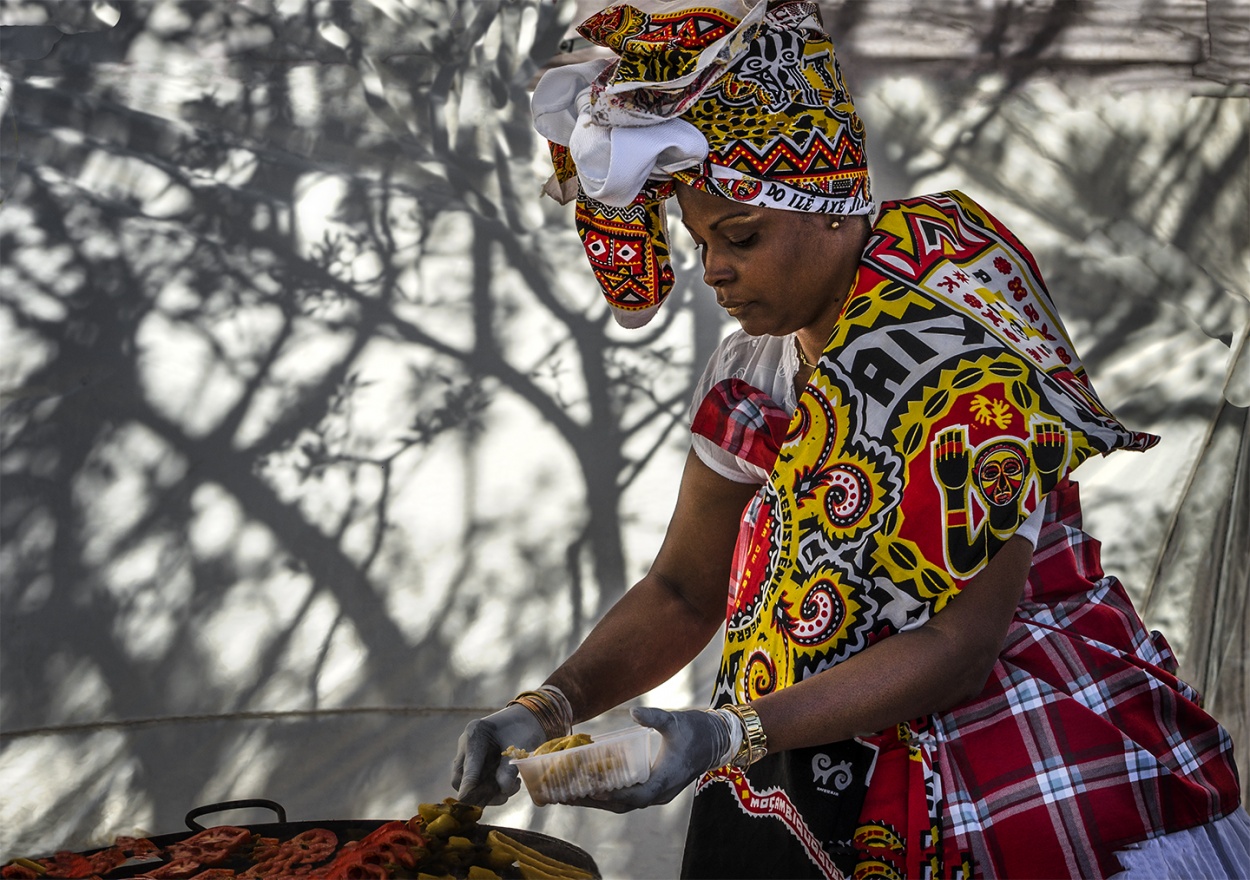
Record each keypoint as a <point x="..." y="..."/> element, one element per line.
<point x="264" y="803"/>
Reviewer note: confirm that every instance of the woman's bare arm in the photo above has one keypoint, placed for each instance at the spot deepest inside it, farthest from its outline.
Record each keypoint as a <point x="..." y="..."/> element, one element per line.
<point x="665" y="619"/>
<point x="929" y="669"/>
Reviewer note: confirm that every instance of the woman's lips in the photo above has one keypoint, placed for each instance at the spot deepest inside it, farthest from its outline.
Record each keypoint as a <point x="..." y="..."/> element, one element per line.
<point x="734" y="309"/>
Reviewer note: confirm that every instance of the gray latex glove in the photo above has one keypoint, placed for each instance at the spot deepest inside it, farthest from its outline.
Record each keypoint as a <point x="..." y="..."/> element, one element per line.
<point x="479" y="773"/>
<point x="695" y="741"/>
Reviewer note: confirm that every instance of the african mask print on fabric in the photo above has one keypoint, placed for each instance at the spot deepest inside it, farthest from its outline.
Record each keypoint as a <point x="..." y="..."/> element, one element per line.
<point x="751" y="108"/>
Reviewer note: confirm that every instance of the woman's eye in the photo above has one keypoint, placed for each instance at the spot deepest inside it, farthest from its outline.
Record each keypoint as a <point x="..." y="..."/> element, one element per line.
<point x="744" y="242"/>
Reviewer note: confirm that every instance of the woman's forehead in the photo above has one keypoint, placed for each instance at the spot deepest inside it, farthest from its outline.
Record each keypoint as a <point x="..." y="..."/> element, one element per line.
<point x="708" y="210"/>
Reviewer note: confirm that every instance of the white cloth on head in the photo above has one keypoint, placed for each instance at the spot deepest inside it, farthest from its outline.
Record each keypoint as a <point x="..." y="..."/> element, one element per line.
<point x="614" y="162"/>
<point x="616" y="137"/>
<point x="554" y="103"/>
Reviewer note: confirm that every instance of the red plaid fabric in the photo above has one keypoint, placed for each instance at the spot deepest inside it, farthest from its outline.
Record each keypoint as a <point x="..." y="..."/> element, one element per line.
<point x="742" y="420"/>
<point x="1084" y="740"/>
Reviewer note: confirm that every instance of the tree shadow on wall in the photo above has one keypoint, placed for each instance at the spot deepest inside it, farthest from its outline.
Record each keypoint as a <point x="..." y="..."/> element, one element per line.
<point x="269" y="275"/>
<point x="264" y="271"/>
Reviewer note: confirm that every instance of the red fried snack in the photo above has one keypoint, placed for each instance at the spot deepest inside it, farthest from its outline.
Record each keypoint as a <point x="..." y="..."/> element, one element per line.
<point x="389" y="847"/>
<point x="177" y="869"/>
<point x="205" y="849"/>
<point x="66" y="864"/>
<point x="212" y="845"/>
<point x="106" y="860"/>
<point x="136" y="847"/>
<point x="357" y="865"/>
<point x="73" y="865"/>
<point x="310" y="847"/>
<point x="294" y="857"/>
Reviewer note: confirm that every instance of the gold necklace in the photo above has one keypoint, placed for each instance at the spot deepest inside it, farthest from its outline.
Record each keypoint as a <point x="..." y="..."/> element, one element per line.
<point x="802" y="357"/>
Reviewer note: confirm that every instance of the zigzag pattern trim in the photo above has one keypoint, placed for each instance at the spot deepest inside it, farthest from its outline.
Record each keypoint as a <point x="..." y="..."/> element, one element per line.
<point x="782" y="158"/>
<point x="690" y="29"/>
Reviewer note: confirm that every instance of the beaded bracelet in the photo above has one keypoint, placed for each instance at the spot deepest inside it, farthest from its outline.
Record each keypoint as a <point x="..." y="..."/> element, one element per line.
<point x="754" y="741"/>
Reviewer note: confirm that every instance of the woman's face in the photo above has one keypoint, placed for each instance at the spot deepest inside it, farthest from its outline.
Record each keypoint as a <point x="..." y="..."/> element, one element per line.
<point x="775" y="271"/>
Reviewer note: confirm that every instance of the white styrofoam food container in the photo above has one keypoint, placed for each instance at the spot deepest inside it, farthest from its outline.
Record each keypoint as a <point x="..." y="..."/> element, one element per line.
<point x="610" y="761"/>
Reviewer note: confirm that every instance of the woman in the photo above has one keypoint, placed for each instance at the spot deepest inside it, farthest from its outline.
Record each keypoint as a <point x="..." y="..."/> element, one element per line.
<point x="925" y="670"/>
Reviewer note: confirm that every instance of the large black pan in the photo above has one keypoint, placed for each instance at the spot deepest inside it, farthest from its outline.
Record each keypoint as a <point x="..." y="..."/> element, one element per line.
<point x="345" y="829"/>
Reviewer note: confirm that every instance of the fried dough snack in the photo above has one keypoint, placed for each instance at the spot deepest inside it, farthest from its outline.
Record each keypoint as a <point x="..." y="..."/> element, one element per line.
<point x="443" y="841"/>
<point x="564" y="743"/>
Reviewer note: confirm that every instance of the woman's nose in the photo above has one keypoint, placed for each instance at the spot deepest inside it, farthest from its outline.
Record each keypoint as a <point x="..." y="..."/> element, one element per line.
<point x="716" y="268"/>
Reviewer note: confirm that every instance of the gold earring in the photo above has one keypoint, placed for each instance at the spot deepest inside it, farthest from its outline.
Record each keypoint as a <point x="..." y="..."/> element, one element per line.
<point x="835" y="224"/>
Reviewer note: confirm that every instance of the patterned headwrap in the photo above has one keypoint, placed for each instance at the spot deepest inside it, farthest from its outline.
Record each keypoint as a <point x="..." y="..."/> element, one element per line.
<point x="747" y="104"/>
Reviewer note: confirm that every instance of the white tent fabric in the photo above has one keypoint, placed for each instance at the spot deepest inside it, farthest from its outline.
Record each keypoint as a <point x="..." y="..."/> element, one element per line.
<point x="317" y="440"/>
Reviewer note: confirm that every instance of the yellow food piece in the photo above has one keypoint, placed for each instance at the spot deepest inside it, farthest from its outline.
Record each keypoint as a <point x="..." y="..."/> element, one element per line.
<point x="430" y="812"/>
<point x="454" y="824"/>
<point x="443" y="826"/>
<point x="462" y="813"/>
<point x="30" y="865"/>
<point x="465" y="814"/>
<point x="533" y="864"/>
<point x="497" y="859"/>
<point x="563" y="743"/>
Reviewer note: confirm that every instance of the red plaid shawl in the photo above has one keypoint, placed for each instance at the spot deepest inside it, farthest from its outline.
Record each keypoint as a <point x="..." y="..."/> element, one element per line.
<point x="1084" y="740"/>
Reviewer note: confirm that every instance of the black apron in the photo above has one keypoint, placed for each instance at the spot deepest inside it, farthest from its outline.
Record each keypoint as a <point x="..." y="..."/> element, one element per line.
<point x="792" y="815"/>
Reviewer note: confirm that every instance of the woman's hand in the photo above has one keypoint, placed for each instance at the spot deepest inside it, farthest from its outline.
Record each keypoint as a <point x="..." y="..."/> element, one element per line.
<point x="695" y="741"/>
<point x="479" y="774"/>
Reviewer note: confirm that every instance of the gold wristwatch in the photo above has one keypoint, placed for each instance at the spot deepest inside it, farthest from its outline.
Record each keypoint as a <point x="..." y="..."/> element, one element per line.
<point x="754" y="742"/>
